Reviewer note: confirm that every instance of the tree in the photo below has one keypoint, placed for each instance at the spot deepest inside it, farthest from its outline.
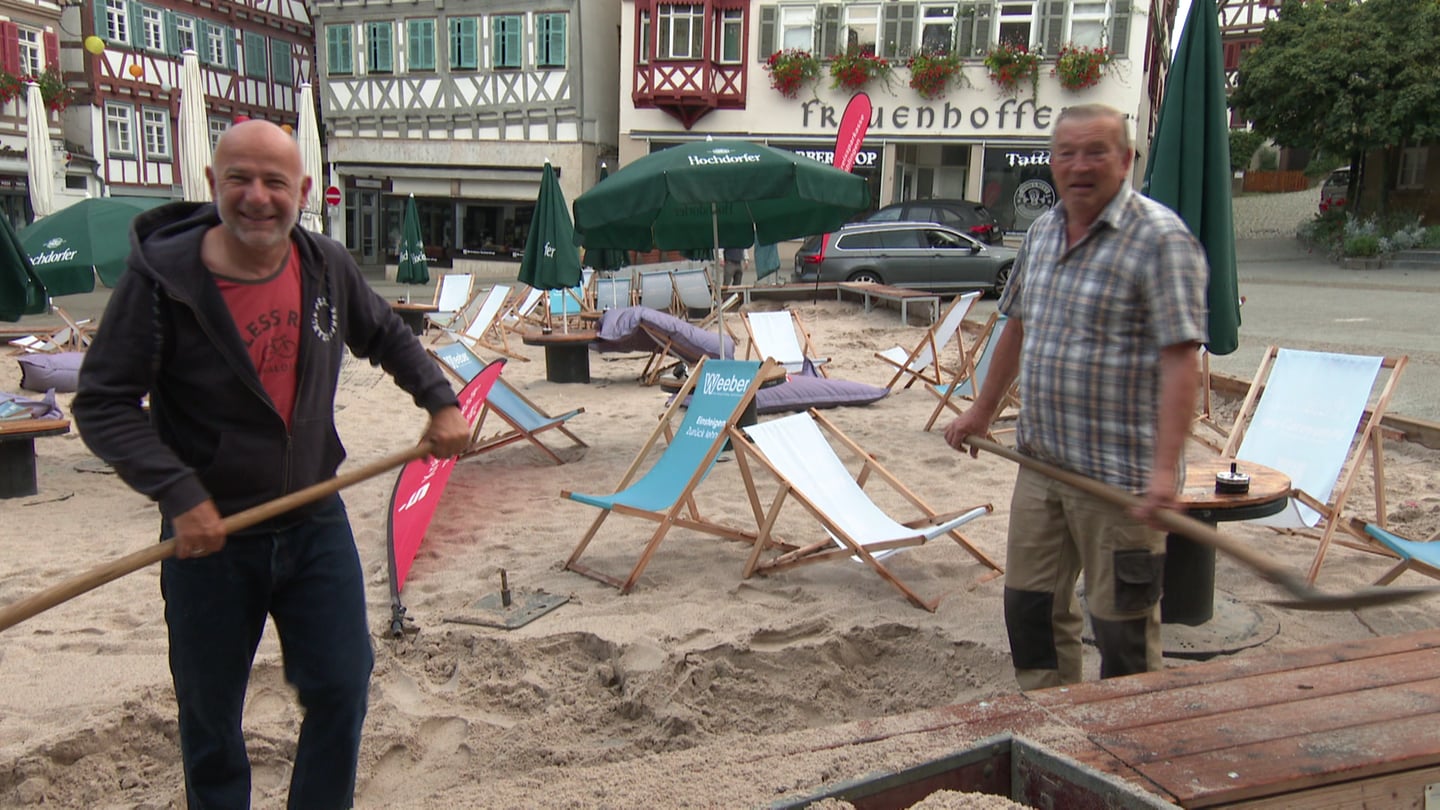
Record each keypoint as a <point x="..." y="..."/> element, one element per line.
<point x="1345" y="77"/>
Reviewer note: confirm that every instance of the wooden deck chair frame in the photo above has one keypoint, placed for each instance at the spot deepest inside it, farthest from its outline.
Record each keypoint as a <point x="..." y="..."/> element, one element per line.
<point x="526" y="420"/>
<point x="840" y="543"/>
<point x="1369" y="439"/>
<point x="1420" y="556"/>
<point x="683" y="512"/>
<point x="971" y="375"/>
<point x="802" y="342"/>
<point x="484" y="329"/>
<point x="925" y="363"/>
<point x="80" y="334"/>
<point x="664" y="357"/>
<point x="522" y="310"/>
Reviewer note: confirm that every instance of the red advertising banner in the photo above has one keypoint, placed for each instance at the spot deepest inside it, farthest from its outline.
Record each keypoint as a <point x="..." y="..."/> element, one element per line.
<point x="853" y="125"/>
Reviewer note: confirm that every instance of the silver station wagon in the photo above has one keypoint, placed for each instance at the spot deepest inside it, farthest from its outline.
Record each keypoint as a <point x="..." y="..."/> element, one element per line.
<point x="921" y="255"/>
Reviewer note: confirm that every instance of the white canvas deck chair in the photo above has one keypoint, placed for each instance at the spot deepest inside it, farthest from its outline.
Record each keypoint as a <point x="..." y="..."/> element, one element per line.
<point x="451" y="323"/>
<point x="524" y="420"/>
<point x="795" y="451"/>
<point x="970" y="377"/>
<point x="1311" y="423"/>
<point x="782" y="336"/>
<point x="612" y="293"/>
<point x="657" y="291"/>
<point x="451" y="295"/>
<point x="717" y="391"/>
<point x="74" y="336"/>
<point x="484" y="330"/>
<point x="523" y="309"/>
<point x="923" y="363"/>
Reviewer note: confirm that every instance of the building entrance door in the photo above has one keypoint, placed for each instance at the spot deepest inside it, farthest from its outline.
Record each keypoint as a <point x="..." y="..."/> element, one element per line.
<point x="362" y="214"/>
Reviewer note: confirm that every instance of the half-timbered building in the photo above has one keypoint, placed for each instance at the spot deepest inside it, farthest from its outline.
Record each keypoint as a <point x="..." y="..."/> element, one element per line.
<point x="460" y="103"/>
<point x="29" y="47"/>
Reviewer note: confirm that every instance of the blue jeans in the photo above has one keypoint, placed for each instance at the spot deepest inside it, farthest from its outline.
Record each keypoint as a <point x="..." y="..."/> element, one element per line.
<point x="307" y="577"/>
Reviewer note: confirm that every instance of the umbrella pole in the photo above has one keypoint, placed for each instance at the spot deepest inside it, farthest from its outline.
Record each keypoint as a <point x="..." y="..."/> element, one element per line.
<point x="715" y="295"/>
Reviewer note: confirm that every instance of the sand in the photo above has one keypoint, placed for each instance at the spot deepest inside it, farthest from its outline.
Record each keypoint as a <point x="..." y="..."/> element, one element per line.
<point x="699" y="689"/>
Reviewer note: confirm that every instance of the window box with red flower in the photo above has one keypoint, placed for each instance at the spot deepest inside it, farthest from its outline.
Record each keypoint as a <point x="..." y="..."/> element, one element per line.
<point x="933" y="72"/>
<point x="1078" y="67"/>
<point x="53" y="90"/>
<point x="856" y="68"/>
<point x="1011" y="63"/>
<point x="792" y="69"/>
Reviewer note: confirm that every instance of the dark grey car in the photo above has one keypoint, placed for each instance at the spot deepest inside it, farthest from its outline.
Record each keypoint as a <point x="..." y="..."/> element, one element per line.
<point x="922" y="255"/>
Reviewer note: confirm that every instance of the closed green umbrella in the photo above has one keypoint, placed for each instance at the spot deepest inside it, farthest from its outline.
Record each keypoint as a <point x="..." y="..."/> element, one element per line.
<point x="412" y="266"/>
<point x="551" y="261"/>
<point x="71" y="246"/>
<point x="1189" y="168"/>
<point x="21" y="291"/>
<point x="606" y="258"/>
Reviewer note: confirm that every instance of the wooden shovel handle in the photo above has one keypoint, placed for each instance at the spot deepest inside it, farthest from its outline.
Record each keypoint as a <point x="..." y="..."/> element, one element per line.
<point x="13" y="614"/>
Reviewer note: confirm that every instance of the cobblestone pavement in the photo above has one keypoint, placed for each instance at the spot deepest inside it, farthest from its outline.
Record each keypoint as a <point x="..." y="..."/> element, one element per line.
<point x="1262" y="216"/>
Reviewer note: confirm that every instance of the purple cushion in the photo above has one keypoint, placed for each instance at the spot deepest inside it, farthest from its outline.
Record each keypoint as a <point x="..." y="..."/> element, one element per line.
<point x="42" y="372"/>
<point x="620" y="330"/>
<point x="801" y="392"/>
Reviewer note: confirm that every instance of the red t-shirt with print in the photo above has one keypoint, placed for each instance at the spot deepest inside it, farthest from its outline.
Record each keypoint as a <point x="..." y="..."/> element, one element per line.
<point x="267" y="313"/>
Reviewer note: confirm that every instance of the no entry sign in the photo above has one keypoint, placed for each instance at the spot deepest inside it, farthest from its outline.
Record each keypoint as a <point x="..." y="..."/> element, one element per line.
<point x="332" y="195"/>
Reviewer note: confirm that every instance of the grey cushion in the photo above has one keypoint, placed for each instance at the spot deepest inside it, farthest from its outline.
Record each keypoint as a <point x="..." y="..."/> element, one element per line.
<point x="43" y="372"/>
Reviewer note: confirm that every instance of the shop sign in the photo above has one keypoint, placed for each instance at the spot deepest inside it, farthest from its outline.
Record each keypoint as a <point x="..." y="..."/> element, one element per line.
<point x="1010" y="115"/>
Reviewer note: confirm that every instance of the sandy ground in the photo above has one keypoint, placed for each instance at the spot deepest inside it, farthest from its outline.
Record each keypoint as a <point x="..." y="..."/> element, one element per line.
<point x="699" y="689"/>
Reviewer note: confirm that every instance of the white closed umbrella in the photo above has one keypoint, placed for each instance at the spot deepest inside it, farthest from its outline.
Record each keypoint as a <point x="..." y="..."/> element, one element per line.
<point x="38" y="159"/>
<point x="194" y="130"/>
<point x="309" y="137"/>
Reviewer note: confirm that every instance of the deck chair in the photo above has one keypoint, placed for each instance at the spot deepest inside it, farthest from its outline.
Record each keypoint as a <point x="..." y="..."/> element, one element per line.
<point x="451" y="322"/>
<point x="80" y="329"/>
<point x="657" y="291"/>
<point x="1415" y="555"/>
<point x="450" y="295"/>
<point x="1311" y="423"/>
<point x="693" y="292"/>
<point x="523" y="309"/>
<point x="923" y="363"/>
<point x="718" y="392"/>
<point x="782" y="336"/>
<point x="524" y="420"/>
<point x="484" y="330"/>
<point x="611" y="293"/>
<point x="971" y="375"/>
<point x="796" y="453"/>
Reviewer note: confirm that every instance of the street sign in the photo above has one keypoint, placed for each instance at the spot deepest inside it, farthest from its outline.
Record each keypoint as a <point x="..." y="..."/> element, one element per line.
<point x="332" y="196"/>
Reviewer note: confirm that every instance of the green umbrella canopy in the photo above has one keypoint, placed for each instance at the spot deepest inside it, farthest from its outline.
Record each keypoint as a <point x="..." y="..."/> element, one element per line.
<point x="606" y="258"/>
<point x="717" y="192"/>
<point x="69" y="247"/>
<point x="1189" y="168"/>
<point x="21" y="291"/>
<point x="551" y="261"/>
<point x="412" y="268"/>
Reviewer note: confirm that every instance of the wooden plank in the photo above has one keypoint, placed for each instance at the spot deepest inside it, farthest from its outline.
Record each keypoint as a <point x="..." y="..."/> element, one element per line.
<point x="1403" y="791"/>
<point x="36" y="426"/>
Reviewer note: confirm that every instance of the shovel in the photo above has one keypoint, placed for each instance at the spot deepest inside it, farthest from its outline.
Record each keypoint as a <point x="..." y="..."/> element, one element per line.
<point x="17" y="612"/>
<point x="1302" y="596"/>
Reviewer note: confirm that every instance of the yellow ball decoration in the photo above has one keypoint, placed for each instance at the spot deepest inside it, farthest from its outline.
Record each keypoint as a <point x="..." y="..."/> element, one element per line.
<point x="137" y="71"/>
<point x="94" y="44"/>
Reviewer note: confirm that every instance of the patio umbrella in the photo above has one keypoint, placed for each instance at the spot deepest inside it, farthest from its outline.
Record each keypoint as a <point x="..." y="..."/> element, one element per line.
<point x="606" y="258"/>
<point x="551" y="261"/>
<point x="71" y="246"/>
<point x="710" y="193"/>
<point x="1189" y="168"/>
<point x="308" y="136"/>
<point x="194" y="130"/>
<point x="411" y="267"/>
<point x="38" y="158"/>
<point x="21" y="291"/>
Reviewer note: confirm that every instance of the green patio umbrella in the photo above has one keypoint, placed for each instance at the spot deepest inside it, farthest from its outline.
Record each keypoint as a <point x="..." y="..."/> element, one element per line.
<point x="21" y="291"/>
<point x="1189" y="168"/>
<point x="71" y="246"/>
<point x="411" y="267"/>
<point x="606" y="258"/>
<point x="551" y="261"/>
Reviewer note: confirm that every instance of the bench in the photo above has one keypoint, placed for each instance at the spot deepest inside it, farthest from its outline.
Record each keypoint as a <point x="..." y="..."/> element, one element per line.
<point x="869" y="292"/>
<point x="17" y="453"/>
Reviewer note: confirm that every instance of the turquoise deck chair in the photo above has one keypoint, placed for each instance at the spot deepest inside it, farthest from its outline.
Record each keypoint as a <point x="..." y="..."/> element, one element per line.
<point x="718" y="392"/>
<point x="1415" y="555"/>
<point x="968" y="380"/>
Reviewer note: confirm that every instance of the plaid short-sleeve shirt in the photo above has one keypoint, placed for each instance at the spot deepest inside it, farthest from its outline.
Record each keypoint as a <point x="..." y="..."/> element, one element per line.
<point x="1096" y="317"/>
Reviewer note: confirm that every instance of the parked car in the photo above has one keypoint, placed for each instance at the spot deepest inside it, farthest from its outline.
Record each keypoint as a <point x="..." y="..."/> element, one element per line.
<point x="922" y="255"/>
<point x="1335" y="186"/>
<point x="966" y="216"/>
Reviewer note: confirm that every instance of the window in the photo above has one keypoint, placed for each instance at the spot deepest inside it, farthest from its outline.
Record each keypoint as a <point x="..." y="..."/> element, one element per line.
<point x="730" y="42"/>
<point x="152" y="28"/>
<point x="1412" y="167"/>
<point x="1087" y="23"/>
<point x="117" y="24"/>
<point x="380" y="47"/>
<point x="645" y="37"/>
<point x="797" y="27"/>
<point x="119" y="135"/>
<point x="420" y="44"/>
<point x="505" y="41"/>
<point x="464" y="43"/>
<point x="185" y="34"/>
<point x="861" y="29"/>
<point x="681" y="32"/>
<point x="937" y="28"/>
<point x="255" y="56"/>
<point x="217" y="127"/>
<point x="282" y="69"/>
<point x="1016" y="21"/>
<point x="339" y="49"/>
<point x="550" y="40"/>
<point x="155" y="124"/>
<point x="32" y="54"/>
<point x="217" y="45"/>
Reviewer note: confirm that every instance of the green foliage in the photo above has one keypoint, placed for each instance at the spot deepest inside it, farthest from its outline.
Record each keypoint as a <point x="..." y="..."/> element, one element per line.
<point x="1269" y="160"/>
<point x="1322" y="164"/>
<point x="1243" y="143"/>
<point x="1363" y="246"/>
<point x="1431" y="240"/>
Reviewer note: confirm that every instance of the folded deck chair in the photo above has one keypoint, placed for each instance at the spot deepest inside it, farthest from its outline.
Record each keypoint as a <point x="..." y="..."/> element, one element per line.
<point x="718" y="392"/>
<point x="80" y="329"/>
<point x="923" y="363"/>
<point x="484" y="330"/>
<point x="795" y="451"/>
<point x="1311" y="423"/>
<point x="611" y="293"/>
<point x="782" y="336"/>
<point x="694" y="297"/>
<point x="970" y="376"/>
<point x="657" y="291"/>
<point x="524" y="419"/>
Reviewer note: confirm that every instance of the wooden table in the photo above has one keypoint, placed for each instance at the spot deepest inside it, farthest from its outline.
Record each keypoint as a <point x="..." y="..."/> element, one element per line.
<point x="1189" y="566"/>
<point x="17" y="453"/>
<point x="567" y="354"/>
<point x="413" y="314"/>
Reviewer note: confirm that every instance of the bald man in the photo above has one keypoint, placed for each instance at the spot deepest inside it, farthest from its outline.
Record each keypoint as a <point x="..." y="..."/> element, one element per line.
<point x="234" y="321"/>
